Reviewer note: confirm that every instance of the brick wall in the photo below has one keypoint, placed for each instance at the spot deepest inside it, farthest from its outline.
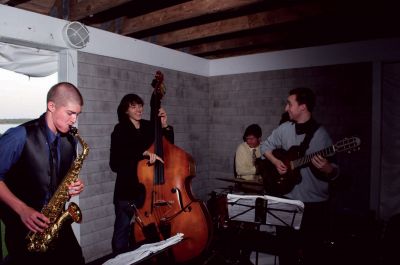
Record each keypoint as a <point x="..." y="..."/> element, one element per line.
<point x="103" y="82"/>
<point x="209" y="116"/>
<point x="343" y="107"/>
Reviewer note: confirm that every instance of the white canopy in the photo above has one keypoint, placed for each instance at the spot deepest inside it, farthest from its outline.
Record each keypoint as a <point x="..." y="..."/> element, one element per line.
<point x="29" y="61"/>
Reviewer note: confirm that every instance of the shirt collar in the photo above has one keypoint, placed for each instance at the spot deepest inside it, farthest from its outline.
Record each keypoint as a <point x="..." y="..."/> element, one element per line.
<point x="251" y="148"/>
<point x="51" y="136"/>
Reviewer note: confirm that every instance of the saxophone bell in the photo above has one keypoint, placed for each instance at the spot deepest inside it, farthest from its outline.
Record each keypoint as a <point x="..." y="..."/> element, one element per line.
<point x="74" y="212"/>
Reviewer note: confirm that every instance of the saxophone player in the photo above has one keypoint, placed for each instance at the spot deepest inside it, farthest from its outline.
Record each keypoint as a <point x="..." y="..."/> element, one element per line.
<point x="34" y="158"/>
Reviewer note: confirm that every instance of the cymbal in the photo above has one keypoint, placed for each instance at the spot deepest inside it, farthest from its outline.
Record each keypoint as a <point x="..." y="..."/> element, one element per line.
<point x="242" y="181"/>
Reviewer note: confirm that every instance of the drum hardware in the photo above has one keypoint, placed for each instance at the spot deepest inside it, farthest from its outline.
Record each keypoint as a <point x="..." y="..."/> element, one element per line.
<point x="225" y="249"/>
<point x="245" y="186"/>
<point x="242" y="181"/>
<point x="218" y="207"/>
<point x="225" y="190"/>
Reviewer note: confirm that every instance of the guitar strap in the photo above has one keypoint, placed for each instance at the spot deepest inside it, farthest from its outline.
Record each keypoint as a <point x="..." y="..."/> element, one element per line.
<point x="307" y="139"/>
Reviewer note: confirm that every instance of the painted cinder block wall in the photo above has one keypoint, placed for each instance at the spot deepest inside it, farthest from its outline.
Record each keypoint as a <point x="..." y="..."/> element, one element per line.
<point x="209" y="116"/>
<point x="103" y="82"/>
<point x="343" y="107"/>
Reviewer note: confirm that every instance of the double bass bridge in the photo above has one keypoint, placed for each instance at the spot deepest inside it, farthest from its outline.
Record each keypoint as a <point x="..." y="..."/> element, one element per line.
<point x="162" y="203"/>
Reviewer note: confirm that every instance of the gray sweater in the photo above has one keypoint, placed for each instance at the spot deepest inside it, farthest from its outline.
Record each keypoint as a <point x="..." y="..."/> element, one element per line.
<point x="310" y="189"/>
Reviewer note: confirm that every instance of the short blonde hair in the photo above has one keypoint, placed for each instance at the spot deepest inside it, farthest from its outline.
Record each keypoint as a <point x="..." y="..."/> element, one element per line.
<point x="63" y="93"/>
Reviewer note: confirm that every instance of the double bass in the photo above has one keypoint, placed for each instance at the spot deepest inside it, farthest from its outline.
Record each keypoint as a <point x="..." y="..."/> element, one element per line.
<point x="170" y="207"/>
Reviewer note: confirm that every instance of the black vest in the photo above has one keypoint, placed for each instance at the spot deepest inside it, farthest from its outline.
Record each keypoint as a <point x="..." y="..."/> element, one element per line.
<point x="29" y="178"/>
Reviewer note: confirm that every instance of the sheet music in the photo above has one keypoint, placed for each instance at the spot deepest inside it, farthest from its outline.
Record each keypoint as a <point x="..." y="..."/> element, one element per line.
<point x="143" y="251"/>
<point x="280" y="211"/>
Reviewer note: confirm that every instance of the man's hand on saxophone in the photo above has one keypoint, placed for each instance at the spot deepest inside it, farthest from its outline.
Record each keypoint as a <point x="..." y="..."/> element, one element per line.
<point x="34" y="220"/>
<point x="75" y="188"/>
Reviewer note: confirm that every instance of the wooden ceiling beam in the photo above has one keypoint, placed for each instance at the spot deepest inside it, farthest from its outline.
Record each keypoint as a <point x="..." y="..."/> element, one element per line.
<point x="38" y="6"/>
<point x="181" y="12"/>
<point x="82" y="9"/>
<point x="13" y="2"/>
<point x="234" y="43"/>
<point x="253" y="21"/>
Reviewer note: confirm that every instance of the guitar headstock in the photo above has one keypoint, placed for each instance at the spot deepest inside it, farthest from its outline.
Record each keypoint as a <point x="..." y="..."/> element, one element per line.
<point x="350" y="144"/>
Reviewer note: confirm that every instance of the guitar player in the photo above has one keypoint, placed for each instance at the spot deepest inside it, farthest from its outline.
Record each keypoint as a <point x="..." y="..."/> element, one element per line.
<point x="311" y="185"/>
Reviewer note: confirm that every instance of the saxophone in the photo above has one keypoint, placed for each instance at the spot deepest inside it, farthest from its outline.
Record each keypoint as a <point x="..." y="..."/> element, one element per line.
<point x="54" y="210"/>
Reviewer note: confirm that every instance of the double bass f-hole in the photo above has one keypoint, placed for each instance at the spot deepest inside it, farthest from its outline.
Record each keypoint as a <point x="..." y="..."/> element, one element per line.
<point x="179" y="198"/>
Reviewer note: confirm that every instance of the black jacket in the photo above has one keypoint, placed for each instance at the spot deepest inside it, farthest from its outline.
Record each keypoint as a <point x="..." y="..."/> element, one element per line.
<point x="127" y="147"/>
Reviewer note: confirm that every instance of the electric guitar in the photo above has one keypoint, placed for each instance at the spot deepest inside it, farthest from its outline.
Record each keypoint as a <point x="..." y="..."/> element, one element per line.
<point x="276" y="184"/>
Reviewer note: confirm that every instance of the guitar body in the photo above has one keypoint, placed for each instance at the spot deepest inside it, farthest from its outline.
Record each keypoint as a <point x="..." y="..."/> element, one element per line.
<point x="276" y="184"/>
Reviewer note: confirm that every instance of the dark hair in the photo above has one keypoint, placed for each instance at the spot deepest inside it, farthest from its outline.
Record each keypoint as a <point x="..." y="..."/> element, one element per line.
<point x="304" y="95"/>
<point x="126" y="102"/>
<point x="253" y="129"/>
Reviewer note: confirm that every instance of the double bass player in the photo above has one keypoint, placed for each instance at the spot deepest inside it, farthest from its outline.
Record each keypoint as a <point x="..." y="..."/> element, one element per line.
<point x="131" y="138"/>
<point x="163" y="204"/>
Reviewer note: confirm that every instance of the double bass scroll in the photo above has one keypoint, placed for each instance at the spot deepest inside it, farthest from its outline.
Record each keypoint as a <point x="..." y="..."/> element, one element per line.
<point x="170" y="207"/>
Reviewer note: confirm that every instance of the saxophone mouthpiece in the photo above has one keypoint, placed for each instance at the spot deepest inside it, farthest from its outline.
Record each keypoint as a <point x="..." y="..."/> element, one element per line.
<point x="73" y="130"/>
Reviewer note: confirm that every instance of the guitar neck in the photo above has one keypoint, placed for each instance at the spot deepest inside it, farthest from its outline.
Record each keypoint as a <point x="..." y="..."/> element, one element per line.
<point x="329" y="151"/>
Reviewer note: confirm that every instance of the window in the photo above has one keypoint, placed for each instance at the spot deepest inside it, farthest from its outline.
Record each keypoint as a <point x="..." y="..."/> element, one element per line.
<point x="22" y="98"/>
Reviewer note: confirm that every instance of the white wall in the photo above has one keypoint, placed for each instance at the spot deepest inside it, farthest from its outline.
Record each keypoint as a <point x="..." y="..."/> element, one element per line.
<point x="354" y="52"/>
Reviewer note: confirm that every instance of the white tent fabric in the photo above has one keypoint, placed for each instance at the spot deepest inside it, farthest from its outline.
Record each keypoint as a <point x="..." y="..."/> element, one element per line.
<point x="29" y="61"/>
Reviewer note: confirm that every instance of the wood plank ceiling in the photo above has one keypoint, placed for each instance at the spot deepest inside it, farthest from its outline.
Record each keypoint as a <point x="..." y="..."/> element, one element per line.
<point x="222" y="28"/>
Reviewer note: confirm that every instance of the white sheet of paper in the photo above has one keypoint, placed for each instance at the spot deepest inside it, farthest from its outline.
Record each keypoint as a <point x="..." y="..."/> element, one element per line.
<point x="143" y="251"/>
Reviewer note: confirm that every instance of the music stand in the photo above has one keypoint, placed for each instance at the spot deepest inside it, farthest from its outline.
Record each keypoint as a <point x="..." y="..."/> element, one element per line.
<point x="145" y="252"/>
<point x="278" y="211"/>
<point x="265" y="210"/>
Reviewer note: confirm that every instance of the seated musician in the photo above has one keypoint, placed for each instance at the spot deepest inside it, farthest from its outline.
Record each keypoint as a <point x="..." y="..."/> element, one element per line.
<point x="246" y="160"/>
<point x="248" y="153"/>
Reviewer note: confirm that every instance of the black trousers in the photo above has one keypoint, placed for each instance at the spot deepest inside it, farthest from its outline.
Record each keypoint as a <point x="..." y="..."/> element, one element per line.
<point x="66" y="249"/>
<point x="306" y="246"/>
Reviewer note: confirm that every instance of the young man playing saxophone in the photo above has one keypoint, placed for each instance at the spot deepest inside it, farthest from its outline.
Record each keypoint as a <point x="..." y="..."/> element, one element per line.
<point x="34" y="158"/>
